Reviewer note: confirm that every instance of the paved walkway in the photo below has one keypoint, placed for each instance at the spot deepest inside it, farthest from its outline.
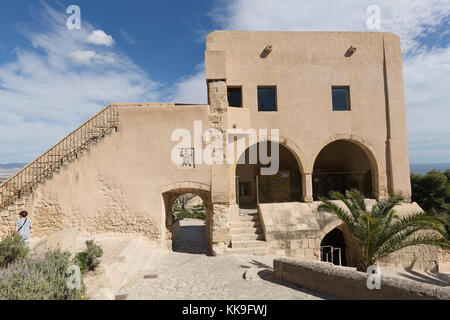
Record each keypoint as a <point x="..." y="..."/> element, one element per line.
<point x="189" y="274"/>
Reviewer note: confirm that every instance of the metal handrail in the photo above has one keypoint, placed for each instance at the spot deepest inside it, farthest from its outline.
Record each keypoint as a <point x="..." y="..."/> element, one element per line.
<point x="23" y="181"/>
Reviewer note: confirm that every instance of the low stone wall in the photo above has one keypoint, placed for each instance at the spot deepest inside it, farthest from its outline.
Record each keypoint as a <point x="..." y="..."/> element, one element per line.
<point x="295" y="229"/>
<point x="347" y="283"/>
<point x="443" y="256"/>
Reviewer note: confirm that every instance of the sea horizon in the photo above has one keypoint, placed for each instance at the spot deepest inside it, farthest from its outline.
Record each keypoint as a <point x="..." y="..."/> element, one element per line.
<point x="424" y="168"/>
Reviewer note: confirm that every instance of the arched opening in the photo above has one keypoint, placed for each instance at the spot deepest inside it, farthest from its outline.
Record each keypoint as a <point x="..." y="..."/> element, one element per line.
<point x="343" y="165"/>
<point x="189" y="227"/>
<point x="188" y="220"/>
<point x="252" y="187"/>
<point x="332" y="248"/>
<point x="340" y="248"/>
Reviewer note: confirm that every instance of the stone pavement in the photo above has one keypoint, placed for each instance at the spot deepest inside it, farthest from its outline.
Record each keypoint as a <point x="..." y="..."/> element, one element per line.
<point x="188" y="273"/>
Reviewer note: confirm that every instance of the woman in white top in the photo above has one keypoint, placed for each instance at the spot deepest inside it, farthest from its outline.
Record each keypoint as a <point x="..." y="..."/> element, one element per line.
<point x="23" y="226"/>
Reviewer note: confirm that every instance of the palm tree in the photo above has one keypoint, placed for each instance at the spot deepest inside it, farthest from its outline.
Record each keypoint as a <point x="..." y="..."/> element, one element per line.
<point x="381" y="231"/>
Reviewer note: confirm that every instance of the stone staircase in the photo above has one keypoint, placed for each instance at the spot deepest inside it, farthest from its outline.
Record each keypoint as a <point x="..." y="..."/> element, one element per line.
<point x="247" y="235"/>
<point x="14" y="190"/>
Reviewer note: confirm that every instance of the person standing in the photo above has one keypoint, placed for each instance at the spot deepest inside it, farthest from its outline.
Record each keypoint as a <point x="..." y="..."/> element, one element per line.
<point x="23" y="226"/>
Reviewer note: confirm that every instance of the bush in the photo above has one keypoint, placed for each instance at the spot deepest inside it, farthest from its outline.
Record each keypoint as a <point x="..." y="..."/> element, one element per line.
<point x="12" y="248"/>
<point x="39" y="278"/>
<point x="432" y="191"/>
<point x="88" y="259"/>
<point x="183" y="214"/>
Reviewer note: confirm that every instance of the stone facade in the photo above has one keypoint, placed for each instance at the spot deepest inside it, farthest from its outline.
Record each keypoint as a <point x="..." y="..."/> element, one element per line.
<point x="127" y="181"/>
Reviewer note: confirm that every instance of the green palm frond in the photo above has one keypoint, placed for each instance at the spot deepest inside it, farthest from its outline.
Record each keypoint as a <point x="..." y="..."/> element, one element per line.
<point x="351" y="208"/>
<point x="380" y="231"/>
<point x="400" y="242"/>
<point x="357" y="199"/>
<point x="342" y="214"/>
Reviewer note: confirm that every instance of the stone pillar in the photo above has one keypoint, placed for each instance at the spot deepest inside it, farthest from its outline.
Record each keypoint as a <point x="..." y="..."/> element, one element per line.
<point x="307" y="188"/>
<point x="220" y="173"/>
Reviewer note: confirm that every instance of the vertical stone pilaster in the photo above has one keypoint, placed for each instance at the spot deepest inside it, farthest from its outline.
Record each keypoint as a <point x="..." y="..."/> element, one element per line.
<point x="307" y="187"/>
<point x="220" y="173"/>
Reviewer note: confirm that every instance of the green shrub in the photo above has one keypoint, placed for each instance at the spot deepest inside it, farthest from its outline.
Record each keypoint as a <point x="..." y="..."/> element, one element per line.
<point x="88" y="259"/>
<point x="12" y="248"/>
<point x="183" y="214"/>
<point x="39" y="278"/>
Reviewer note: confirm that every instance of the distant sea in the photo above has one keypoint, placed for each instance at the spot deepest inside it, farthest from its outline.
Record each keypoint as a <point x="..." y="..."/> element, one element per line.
<point x="424" y="168"/>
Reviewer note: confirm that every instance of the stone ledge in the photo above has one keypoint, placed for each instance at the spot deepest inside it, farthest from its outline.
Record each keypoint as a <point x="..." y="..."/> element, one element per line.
<point x="347" y="283"/>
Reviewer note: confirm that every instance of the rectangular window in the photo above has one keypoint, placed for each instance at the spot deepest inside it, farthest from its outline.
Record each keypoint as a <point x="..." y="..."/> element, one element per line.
<point x="267" y="99"/>
<point x="235" y="97"/>
<point x="341" y="98"/>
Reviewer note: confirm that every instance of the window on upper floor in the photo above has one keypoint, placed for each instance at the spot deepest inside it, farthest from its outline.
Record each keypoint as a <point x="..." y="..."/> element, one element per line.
<point x="341" y="98"/>
<point x="235" y="97"/>
<point x="267" y="98"/>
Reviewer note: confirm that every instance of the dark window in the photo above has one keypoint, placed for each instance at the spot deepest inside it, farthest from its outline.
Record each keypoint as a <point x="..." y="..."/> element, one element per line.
<point x="235" y="97"/>
<point x="341" y="98"/>
<point x="267" y="99"/>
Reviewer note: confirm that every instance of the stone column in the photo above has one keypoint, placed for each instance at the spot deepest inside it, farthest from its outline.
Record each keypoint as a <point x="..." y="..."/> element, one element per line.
<point x="307" y="188"/>
<point x="220" y="173"/>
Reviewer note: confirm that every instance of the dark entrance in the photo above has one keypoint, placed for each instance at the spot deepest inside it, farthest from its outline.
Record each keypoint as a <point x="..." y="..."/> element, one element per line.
<point x="330" y="243"/>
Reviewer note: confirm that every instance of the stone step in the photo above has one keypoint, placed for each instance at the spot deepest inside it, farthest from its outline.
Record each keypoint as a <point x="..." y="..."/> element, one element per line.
<point x="247" y="230"/>
<point x="250" y="251"/>
<point x="125" y="262"/>
<point x="245" y="224"/>
<point x="246" y="218"/>
<point x="246" y="237"/>
<point x="248" y="244"/>
<point x="248" y="211"/>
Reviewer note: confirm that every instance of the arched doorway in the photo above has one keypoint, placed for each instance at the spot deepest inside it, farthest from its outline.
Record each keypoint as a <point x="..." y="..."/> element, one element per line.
<point x="339" y="247"/>
<point x="343" y="165"/>
<point x="188" y="213"/>
<point x="189" y="227"/>
<point x="253" y="188"/>
<point x="332" y="248"/>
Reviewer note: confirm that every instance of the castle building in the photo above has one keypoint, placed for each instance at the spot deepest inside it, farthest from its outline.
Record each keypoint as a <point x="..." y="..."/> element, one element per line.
<point x="290" y="117"/>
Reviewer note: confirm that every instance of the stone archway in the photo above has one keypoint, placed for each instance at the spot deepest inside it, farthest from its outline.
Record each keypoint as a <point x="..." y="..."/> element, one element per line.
<point x="247" y="176"/>
<point x="345" y="164"/>
<point x="336" y="234"/>
<point x="172" y="192"/>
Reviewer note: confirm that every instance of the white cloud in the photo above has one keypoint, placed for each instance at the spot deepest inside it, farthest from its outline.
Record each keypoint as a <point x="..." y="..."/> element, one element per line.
<point x="48" y="90"/>
<point x="89" y="56"/>
<point x="127" y="37"/>
<point x="410" y="19"/>
<point x="427" y="98"/>
<point x="191" y="89"/>
<point x="99" y="37"/>
<point x="426" y="65"/>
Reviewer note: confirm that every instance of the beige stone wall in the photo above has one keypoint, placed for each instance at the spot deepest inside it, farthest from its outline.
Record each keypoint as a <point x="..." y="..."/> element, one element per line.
<point x="116" y="186"/>
<point x="297" y="230"/>
<point x="345" y="283"/>
<point x="303" y="66"/>
<point x="417" y="258"/>
<point x="444" y="256"/>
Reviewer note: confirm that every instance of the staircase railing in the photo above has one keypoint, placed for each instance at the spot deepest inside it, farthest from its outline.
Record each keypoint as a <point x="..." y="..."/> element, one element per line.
<point x="68" y="149"/>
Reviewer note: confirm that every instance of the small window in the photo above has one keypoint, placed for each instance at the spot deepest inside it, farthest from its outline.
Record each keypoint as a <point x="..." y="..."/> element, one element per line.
<point x="235" y="97"/>
<point x="341" y="98"/>
<point x="267" y="99"/>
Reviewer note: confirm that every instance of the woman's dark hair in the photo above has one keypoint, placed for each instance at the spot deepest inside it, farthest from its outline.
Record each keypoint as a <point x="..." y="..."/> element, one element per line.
<point x="23" y="214"/>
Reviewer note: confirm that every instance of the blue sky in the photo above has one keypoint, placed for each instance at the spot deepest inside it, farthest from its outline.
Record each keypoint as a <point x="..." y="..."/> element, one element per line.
<point x="52" y="78"/>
